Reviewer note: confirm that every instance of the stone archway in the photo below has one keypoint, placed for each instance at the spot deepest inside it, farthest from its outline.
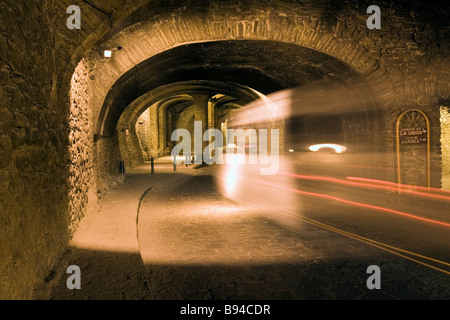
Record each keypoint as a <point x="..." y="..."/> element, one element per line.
<point x="175" y="106"/>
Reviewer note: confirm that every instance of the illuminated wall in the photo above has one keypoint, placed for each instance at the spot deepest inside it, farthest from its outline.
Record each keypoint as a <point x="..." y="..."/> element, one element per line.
<point x="445" y="147"/>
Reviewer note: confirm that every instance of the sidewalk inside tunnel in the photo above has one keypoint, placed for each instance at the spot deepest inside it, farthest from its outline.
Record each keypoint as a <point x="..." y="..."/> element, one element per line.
<point x="173" y="236"/>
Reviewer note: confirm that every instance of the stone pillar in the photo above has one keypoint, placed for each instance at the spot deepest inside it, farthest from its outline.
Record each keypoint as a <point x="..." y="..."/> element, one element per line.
<point x="201" y="104"/>
<point x="211" y="114"/>
<point x="161" y="129"/>
<point x="169" y="130"/>
<point x="154" y="132"/>
<point x="143" y="134"/>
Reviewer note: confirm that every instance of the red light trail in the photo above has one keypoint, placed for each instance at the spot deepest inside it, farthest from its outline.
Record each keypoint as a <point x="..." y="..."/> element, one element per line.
<point x="395" y="186"/>
<point x="358" y="204"/>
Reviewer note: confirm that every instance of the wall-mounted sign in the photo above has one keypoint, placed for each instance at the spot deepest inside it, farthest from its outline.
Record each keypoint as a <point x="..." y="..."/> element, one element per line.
<point x="413" y="128"/>
<point x="413" y="135"/>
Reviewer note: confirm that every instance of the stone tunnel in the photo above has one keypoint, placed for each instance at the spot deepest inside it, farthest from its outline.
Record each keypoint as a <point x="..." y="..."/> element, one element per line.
<point x="69" y="114"/>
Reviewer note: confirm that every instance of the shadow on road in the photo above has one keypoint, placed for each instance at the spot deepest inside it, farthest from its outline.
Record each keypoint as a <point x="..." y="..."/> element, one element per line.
<point x="122" y="276"/>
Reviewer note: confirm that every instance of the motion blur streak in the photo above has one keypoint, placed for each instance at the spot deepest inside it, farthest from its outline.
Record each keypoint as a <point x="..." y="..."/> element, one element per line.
<point x="336" y="147"/>
<point x="399" y="185"/>
<point x="316" y="178"/>
<point x="358" y="204"/>
<point x="365" y="185"/>
<point x="343" y="97"/>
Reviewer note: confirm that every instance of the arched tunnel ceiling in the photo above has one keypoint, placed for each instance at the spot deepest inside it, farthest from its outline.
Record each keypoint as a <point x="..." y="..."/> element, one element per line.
<point x="266" y="66"/>
<point x="177" y="96"/>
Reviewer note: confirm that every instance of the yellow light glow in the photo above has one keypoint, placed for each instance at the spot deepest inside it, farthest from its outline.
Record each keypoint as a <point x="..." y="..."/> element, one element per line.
<point x="336" y="147"/>
<point x="231" y="181"/>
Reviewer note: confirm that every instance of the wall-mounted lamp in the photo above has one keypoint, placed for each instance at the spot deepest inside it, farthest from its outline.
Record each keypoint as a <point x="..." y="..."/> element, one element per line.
<point x="108" y="53"/>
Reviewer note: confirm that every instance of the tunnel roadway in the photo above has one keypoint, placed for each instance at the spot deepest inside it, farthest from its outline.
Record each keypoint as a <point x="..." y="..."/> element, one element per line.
<point x="172" y="236"/>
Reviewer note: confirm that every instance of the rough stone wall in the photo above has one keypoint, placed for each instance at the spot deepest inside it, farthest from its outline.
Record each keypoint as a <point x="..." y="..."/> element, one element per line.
<point x="44" y="185"/>
<point x="94" y="164"/>
<point x="33" y="154"/>
<point x="106" y="165"/>
<point x="80" y="146"/>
